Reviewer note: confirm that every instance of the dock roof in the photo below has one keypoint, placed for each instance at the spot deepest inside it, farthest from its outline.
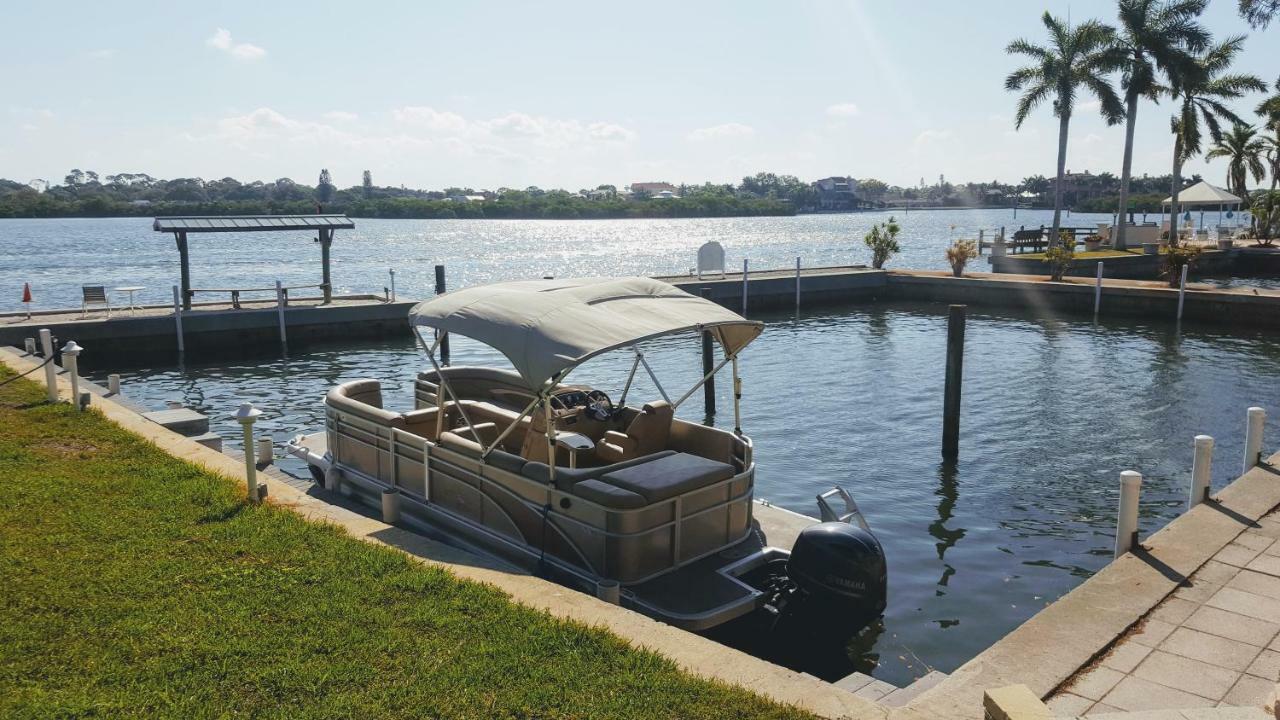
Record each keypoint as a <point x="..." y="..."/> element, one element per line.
<point x="250" y="223"/>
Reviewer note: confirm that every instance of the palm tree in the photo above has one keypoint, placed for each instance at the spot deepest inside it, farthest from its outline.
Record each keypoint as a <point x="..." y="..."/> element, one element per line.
<point x="1269" y="109"/>
<point x="1156" y="37"/>
<point x="1201" y="87"/>
<point x="1076" y="58"/>
<point x="1272" y="144"/>
<point x="1245" y="150"/>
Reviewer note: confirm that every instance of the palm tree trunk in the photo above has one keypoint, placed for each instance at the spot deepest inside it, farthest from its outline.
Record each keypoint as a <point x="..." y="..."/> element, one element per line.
<point x="1126" y="170"/>
<point x="1173" y="196"/>
<point x="1054" y="237"/>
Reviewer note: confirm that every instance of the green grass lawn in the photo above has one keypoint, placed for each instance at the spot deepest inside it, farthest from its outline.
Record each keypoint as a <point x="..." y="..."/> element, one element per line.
<point x="136" y="585"/>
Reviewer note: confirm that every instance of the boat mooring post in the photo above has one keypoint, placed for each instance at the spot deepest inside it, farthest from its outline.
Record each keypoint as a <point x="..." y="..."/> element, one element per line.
<point x="954" y="377"/>
<point x="246" y="416"/>
<point x="29" y="344"/>
<point x="444" y="339"/>
<point x="744" y="287"/>
<point x="1201" y="470"/>
<point x="284" y="341"/>
<point x="266" y="450"/>
<point x="1127" y="519"/>
<point x="113" y="384"/>
<point x="177" y="319"/>
<point x="609" y="591"/>
<point x="708" y="364"/>
<point x="1257" y="419"/>
<point x="1182" y="290"/>
<point x="70" y="354"/>
<point x="50" y="371"/>
<point x="797" y="283"/>
<point x="391" y="505"/>
<point x="1097" y="291"/>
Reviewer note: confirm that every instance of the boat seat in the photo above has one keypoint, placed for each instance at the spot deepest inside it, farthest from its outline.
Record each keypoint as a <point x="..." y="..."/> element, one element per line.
<point x="566" y="478"/>
<point x="666" y="477"/>
<point x="647" y="433"/>
<point x="466" y="446"/>
<point x="610" y="496"/>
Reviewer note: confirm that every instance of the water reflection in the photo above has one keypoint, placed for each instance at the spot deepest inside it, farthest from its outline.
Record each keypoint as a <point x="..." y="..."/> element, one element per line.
<point x="948" y="492"/>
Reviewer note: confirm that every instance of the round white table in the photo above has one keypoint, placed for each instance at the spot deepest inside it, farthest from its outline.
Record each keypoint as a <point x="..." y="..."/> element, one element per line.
<point x="131" y="289"/>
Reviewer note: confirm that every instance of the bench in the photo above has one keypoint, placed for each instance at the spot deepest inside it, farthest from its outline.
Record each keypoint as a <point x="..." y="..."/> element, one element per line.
<point x="235" y="292"/>
<point x="1034" y="239"/>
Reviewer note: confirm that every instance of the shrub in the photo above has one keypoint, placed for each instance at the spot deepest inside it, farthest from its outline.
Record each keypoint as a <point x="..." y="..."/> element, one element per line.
<point x="1059" y="259"/>
<point x="883" y="241"/>
<point x="960" y="254"/>
<point x="1177" y="257"/>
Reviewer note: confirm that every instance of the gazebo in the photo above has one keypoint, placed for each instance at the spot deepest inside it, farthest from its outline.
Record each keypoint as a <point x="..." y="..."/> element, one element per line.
<point x="324" y="225"/>
<point x="1203" y="196"/>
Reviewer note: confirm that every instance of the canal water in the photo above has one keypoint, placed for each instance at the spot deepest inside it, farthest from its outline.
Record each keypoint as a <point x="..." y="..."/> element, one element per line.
<point x="1054" y="409"/>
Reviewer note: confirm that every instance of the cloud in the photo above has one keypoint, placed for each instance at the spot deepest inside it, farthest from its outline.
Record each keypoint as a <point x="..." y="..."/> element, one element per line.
<point x="341" y="116"/>
<point x="431" y="119"/>
<point x="221" y="40"/>
<point x="720" y="132"/>
<point x="513" y="127"/>
<point x="843" y="110"/>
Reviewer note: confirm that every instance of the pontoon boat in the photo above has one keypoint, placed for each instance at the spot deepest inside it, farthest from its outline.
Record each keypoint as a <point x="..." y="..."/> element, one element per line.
<point x="623" y="499"/>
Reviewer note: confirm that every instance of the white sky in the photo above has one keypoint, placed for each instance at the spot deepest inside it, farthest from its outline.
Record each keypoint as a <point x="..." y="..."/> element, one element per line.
<point x="564" y="94"/>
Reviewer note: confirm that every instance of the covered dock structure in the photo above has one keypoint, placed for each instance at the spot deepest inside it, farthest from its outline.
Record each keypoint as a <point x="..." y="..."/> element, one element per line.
<point x="182" y="226"/>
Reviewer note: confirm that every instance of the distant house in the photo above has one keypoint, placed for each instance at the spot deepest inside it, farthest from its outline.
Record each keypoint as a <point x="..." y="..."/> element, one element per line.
<point x="651" y="188"/>
<point x="665" y="195"/>
<point x="466" y="198"/>
<point x="836" y="193"/>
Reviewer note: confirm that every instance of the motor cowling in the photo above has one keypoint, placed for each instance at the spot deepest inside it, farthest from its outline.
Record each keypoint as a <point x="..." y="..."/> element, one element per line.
<point x="842" y="568"/>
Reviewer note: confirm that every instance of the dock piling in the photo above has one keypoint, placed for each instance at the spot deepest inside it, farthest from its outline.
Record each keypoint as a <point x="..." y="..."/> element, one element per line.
<point x="1182" y="290"/>
<point x="266" y="451"/>
<point x="444" y="341"/>
<point x="246" y="416"/>
<point x="744" y="287"/>
<point x="954" y="378"/>
<point x="1257" y="419"/>
<point x="50" y="371"/>
<point x="708" y="364"/>
<point x="113" y="384"/>
<point x="177" y="319"/>
<point x="1097" y="292"/>
<point x="284" y="340"/>
<point x="1201" y="470"/>
<point x="1127" y="519"/>
<point x="70" y="356"/>
<point x="393" y="284"/>
<point x="797" y="283"/>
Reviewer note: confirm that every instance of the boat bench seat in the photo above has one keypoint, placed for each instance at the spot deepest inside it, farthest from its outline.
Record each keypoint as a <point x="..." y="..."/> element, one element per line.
<point x="566" y="478"/>
<point x="666" y="477"/>
<point x="500" y="458"/>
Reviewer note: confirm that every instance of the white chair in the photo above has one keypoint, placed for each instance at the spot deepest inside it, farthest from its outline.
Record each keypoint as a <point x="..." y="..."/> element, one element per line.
<point x="710" y="258"/>
<point x="93" y="295"/>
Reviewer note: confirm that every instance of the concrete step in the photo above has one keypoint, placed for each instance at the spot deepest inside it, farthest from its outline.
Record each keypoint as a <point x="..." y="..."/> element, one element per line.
<point x="902" y="696"/>
<point x="181" y="420"/>
<point x="865" y="686"/>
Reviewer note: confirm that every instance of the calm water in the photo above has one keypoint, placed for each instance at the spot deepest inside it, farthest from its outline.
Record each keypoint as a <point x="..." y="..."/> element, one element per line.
<point x="1053" y="410"/>
<point x="57" y="256"/>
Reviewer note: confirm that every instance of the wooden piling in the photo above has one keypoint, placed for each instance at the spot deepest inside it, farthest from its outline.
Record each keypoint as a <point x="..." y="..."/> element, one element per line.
<point x="444" y="341"/>
<point x="954" y="377"/>
<point x="708" y="363"/>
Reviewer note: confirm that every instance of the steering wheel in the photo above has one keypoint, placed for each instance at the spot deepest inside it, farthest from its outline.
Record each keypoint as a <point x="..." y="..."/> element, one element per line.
<point x="600" y="406"/>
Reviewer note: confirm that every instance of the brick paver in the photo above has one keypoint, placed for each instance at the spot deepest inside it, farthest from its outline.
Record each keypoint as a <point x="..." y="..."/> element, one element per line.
<point x="1212" y="643"/>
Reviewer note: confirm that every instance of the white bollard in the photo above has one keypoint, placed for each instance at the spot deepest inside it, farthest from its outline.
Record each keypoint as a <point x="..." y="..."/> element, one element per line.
<point x="744" y="287"/>
<point x="1127" y="519"/>
<point x="609" y="591"/>
<point x="113" y="384"/>
<point x="284" y="341"/>
<point x="1201" y="470"/>
<point x="393" y="284"/>
<point x="1257" y="418"/>
<point x="177" y="318"/>
<point x="70" y="353"/>
<point x="1097" y="291"/>
<point x="797" y="283"/>
<point x="1182" y="290"/>
<point x="390" y="506"/>
<point x="266" y="453"/>
<point x="246" y="416"/>
<point x="30" y="346"/>
<point x="50" y="370"/>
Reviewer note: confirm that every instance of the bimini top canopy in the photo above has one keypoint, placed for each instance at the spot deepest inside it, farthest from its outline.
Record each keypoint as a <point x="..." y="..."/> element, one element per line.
<point x="547" y="326"/>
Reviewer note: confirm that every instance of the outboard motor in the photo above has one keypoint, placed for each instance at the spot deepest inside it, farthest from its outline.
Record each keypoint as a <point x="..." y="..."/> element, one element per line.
<point x="840" y="569"/>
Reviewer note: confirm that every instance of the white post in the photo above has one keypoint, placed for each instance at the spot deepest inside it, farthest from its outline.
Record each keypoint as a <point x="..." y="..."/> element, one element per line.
<point x="1182" y="290"/>
<point x="113" y="384"/>
<point x="1201" y="470"/>
<point x="744" y="287"/>
<point x="1253" y="438"/>
<point x="246" y="416"/>
<point x="29" y="345"/>
<point x="177" y="318"/>
<point x="50" y="370"/>
<point x="390" y="506"/>
<point x="266" y="453"/>
<point x="284" y="341"/>
<point x="70" y="353"/>
<point x="797" y="283"/>
<point x="609" y="591"/>
<point x="393" y="284"/>
<point x="1127" y="520"/>
<point x="1097" y="291"/>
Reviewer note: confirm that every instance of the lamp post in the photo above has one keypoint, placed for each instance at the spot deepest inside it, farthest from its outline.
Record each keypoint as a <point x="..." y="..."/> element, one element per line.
<point x="246" y="416"/>
<point x="70" y="352"/>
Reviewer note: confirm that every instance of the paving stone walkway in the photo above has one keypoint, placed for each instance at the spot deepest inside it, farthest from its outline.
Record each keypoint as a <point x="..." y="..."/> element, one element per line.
<point x="1215" y="642"/>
